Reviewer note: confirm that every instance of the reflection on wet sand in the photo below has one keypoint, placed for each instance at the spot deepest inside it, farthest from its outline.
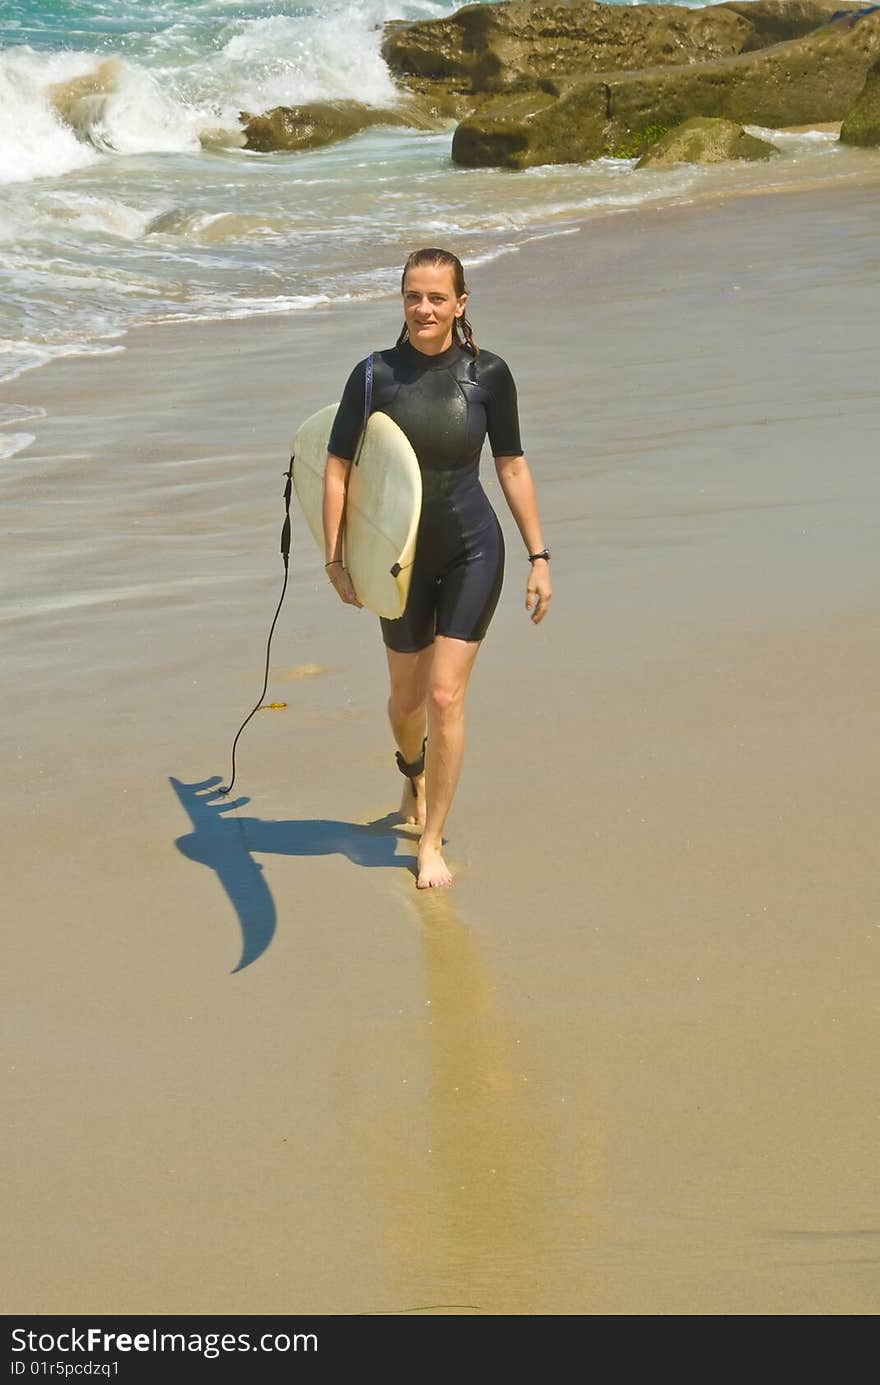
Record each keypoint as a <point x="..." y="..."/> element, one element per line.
<point x="482" y="1215"/>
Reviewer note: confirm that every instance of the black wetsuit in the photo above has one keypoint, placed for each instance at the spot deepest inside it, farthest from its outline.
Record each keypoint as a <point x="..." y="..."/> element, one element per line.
<point x="446" y="405"/>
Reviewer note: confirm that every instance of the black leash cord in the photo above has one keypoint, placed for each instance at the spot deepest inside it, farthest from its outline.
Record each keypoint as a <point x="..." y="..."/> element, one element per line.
<point x="285" y="554"/>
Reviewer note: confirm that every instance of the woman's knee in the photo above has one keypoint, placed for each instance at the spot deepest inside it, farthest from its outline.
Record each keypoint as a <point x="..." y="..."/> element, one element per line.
<point x="408" y="674"/>
<point x="446" y="699"/>
<point x="406" y="699"/>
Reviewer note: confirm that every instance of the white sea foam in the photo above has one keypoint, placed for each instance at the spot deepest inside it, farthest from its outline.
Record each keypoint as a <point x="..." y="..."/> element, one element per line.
<point x="287" y="60"/>
<point x="122" y="108"/>
<point x="19" y="413"/>
<point x="214" y="308"/>
<point x="17" y="357"/>
<point x="34" y="141"/>
<point x="93" y="212"/>
<point x="60" y="111"/>
<point x="10" y="443"/>
<point x="808" y="140"/>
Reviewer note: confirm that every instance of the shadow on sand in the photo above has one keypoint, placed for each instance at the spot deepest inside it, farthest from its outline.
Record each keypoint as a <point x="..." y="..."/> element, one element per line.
<point x="226" y="842"/>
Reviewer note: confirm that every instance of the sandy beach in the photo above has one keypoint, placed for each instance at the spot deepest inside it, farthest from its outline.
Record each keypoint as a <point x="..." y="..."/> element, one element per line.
<point x="626" y="1065"/>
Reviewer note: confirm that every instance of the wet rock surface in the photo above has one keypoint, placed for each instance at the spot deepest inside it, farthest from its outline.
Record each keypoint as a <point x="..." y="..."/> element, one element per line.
<point x="813" y="78"/>
<point x="861" y="125"/>
<point x="706" y="141"/>
<point x="325" y="122"/>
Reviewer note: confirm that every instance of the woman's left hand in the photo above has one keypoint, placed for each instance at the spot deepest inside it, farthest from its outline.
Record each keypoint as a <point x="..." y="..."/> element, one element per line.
<point x="538" y="590"/>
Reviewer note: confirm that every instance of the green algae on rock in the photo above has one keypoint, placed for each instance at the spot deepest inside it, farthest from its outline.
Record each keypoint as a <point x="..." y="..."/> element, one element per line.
<point x="497" y="47"/>
<point x="325" y="122"/>
<point x="806" y="80"/>
<point x="706" y="140"/>
<point x="535" y="127"/>
<point x="861" y="125"/>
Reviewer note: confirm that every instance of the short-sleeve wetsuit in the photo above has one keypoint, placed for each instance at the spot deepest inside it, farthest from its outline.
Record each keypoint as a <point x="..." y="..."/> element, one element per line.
<point x="446" y="405"/>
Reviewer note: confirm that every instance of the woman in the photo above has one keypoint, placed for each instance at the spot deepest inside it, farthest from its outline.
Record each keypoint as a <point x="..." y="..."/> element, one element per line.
<point x="445" y="395"/>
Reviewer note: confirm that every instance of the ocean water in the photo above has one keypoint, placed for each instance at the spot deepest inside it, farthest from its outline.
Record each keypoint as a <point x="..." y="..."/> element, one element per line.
<point x="125" y="196"/>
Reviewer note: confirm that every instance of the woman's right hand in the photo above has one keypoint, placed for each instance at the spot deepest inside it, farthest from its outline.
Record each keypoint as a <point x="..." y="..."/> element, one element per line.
<point x="342" y="584"/>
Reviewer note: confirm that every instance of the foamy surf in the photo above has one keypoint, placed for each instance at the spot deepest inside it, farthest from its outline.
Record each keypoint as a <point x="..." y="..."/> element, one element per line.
<point x="10" y="443"/>
<point x="36" y="142"/>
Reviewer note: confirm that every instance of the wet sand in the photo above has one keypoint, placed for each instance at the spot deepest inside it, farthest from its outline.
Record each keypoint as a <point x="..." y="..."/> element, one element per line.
<point x="626" y="1065"/>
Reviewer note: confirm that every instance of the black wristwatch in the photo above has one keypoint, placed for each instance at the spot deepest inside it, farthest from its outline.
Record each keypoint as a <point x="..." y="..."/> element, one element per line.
<point x="544" y="553"/>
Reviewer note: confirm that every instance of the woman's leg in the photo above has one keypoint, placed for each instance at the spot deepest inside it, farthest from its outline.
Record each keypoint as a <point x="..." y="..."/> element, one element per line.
<point x="449" y="671"/>
<point x="409" y="675"/>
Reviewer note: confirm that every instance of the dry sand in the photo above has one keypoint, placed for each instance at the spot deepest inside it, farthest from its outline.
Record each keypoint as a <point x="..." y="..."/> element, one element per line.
<point x="627" y="1064"/>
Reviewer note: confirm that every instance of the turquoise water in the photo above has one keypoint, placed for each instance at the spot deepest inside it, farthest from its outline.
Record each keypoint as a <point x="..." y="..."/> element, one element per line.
<point x="125" y="196"/>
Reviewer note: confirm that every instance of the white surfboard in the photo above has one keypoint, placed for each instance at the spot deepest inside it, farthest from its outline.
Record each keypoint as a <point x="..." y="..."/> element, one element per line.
<point x="382" y="507"/>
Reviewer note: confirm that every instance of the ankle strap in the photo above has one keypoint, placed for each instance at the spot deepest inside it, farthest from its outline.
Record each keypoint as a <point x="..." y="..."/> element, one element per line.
<point x="412" y="768"/>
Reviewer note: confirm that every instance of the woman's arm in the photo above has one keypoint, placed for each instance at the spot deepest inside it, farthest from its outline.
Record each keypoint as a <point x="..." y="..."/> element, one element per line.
<point x="519" y="492"/>
<point x="336" y="471"/>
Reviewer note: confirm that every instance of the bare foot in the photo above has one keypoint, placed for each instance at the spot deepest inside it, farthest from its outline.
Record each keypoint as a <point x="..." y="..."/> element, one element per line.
<point x="432" y="869"/>
<point x="412" y="805"/>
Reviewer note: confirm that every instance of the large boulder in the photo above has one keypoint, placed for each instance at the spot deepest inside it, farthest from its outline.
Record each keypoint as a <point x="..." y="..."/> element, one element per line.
<point x="705" y="140"/>
<point x="777" y="21"/>
<point x="809" y="80"/>
<point x="526" y="43"/>
<point x="497" y="47"/>
<point x="862" y="123"/>
<point x="535" y="128"/>
<point x="812" y="80"/>
<point x="324" y="122"/>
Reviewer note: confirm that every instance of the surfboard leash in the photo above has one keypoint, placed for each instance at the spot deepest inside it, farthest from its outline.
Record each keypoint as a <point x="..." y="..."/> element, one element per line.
<point x="285" y="554"/>
<point x="368" y="404"/>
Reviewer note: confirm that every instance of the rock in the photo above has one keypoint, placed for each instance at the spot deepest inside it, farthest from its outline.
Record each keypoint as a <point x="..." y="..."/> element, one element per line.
<point x="808" y="80"/>
<point x="778" y="21"/>
<point x="703" y="140"/>
<point x="535" y="128"/>
<point x="861" y="125"/>
<point x="498" y="47"/>
<point x="324" y="122"/>
<point x="525" y="43"/>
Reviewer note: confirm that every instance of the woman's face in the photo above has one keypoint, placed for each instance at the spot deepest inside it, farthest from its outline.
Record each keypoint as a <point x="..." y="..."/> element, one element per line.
<point x="430" y="307"/>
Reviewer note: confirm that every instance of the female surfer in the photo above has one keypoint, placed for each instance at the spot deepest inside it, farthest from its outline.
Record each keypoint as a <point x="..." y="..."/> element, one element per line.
<point x="446" y="395"/>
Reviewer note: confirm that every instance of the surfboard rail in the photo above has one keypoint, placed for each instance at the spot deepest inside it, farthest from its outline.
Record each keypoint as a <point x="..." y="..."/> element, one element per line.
<point x="383" y="506"/>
